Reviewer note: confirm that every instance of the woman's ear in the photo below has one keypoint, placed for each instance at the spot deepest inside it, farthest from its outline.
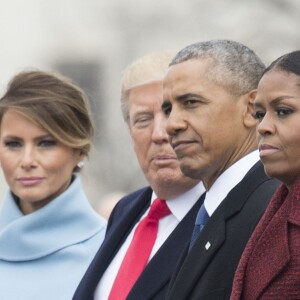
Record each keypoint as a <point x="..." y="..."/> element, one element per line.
<point x="80" y="156"/>
<point x="249" y="120"/>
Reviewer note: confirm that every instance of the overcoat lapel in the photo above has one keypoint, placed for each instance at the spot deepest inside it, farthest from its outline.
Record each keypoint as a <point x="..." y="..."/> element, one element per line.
<point x="269" y="256"/>
<point x="119" y="232"/>
<point x="197" y="259"/>
<point x="127" y="218"/>
<point x="114" y="238"/>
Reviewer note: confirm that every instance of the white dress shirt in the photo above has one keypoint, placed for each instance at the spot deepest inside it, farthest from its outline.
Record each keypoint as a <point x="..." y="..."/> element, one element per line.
<point x="228" y="180"/>
<point x="179" y="207"/>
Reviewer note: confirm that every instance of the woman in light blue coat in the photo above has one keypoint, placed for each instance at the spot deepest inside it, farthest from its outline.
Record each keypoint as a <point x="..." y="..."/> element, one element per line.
<point x="49" y="233"/>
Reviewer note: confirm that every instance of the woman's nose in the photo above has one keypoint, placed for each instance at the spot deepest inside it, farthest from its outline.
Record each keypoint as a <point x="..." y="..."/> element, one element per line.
<point x="28" y="158"/>
<point x="266" y="126"/>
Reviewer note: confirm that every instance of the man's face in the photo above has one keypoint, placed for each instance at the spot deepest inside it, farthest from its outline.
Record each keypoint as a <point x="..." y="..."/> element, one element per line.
<point x="147" y="128"/>
<point x="205" y="122"/>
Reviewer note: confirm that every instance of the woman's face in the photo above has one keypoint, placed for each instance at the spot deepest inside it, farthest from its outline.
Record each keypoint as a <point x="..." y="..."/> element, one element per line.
<point x="277" y="107"/>
<point x="36" y="167"/>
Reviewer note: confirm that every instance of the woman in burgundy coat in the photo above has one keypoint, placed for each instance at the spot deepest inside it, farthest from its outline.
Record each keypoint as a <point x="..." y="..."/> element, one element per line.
<point x="270" y="265"/>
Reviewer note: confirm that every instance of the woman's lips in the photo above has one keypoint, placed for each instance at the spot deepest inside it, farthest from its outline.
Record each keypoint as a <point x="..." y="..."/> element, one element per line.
<point x="30" y="181"/>
<point x="266" y="150"/>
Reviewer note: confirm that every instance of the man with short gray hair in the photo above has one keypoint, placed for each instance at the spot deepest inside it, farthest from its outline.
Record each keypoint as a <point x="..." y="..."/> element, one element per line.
<point x="209" y="91"/>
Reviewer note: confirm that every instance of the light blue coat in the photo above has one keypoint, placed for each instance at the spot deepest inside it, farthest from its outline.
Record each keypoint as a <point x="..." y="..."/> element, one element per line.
<point x="44" y="255"/>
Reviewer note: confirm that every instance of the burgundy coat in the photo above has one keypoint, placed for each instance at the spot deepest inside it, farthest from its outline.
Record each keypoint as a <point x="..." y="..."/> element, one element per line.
<point x="270" y="265"/>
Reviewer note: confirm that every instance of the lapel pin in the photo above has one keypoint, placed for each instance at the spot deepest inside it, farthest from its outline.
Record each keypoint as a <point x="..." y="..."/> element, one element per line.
<point x="207" y="246"/>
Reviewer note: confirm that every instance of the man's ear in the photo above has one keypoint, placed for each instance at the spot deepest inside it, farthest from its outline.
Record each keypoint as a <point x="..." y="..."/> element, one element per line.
<point x="249" y="120"/>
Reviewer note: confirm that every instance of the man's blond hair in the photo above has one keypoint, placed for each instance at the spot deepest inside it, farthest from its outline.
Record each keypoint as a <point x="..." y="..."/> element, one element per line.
<point x="147" y="69"/>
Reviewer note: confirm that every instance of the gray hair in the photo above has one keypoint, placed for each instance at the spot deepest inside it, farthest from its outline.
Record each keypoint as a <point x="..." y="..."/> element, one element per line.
<point x="234" y="66"/>
<point x="145" y="70"/>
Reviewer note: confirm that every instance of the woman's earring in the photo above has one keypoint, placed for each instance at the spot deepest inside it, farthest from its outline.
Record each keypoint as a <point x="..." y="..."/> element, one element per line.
<point x="80" y="164"/>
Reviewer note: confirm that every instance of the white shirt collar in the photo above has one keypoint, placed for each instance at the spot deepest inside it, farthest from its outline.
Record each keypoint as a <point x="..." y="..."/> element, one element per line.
<point x="228" y="180"/>
<point x="180" y="205"/>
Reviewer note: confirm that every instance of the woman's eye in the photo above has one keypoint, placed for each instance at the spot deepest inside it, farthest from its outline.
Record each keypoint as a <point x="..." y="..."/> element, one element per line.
<point x="47" y="143"/>
<point x="282" y="112"/>
<point x="12" y="144"/>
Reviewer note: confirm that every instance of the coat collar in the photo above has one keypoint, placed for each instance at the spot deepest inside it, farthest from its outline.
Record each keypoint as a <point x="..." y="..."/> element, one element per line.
<point x="32" y="236"/>
<point x="267" y="255"/>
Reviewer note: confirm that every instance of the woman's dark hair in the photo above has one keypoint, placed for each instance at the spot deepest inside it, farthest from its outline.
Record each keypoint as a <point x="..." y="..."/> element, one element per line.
<point x="289" y="63"/>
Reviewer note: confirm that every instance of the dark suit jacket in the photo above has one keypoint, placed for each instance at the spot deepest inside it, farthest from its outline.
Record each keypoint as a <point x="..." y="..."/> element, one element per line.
<point x="153" y="282"/>
<point x="270" y="265"/>
<point x="206" y="273"/>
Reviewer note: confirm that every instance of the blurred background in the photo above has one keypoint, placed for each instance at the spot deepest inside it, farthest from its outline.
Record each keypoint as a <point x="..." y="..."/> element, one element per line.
<point x="92" y="41"/>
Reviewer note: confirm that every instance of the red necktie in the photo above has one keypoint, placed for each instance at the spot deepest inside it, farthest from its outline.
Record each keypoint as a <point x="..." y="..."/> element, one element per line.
<point x="139" y="251"/>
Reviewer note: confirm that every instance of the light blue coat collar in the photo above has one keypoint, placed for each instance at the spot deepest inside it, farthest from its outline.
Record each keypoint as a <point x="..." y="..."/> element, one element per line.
<point x="32" y="236"/>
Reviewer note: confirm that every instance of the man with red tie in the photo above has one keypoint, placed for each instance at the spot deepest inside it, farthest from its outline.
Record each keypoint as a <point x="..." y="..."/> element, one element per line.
<point x="148" y="228"/>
